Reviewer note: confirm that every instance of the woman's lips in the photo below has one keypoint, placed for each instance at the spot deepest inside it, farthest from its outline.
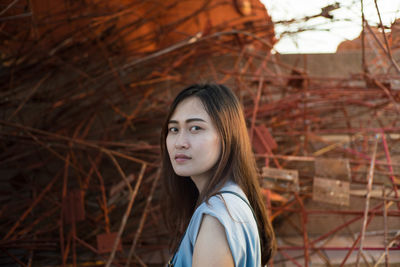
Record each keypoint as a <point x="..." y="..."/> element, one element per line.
<point x="181" y="158"/>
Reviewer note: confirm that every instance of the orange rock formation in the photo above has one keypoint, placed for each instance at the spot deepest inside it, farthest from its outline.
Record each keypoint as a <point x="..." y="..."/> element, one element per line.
<point x="137" y="26"/>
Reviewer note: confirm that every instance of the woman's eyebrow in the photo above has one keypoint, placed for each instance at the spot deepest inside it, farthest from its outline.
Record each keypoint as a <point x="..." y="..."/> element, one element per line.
<point x="195" y="119"/>
<point x="187" y="121"/>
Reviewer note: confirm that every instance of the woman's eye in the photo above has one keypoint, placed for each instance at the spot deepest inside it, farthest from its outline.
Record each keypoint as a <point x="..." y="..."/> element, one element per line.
<point x="173" y="130"/>
<point x="195" y="128"/>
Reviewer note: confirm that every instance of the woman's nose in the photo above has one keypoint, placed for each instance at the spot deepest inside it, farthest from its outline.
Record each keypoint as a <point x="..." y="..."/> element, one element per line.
<point x="181" y="141"/>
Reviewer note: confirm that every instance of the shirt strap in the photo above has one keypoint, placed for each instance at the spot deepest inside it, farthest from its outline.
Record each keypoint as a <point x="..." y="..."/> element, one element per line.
<point x="242" y="198"/>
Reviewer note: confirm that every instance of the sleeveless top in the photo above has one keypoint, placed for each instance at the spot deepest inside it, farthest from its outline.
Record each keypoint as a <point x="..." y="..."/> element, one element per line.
<point x="240" y="228"/>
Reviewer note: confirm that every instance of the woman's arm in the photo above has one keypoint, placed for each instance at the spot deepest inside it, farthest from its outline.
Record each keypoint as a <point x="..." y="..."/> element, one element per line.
<point x="211" y="247"/>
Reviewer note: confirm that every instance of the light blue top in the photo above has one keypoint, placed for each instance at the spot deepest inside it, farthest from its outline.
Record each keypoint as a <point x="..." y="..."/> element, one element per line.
<point x="240" y="228"/>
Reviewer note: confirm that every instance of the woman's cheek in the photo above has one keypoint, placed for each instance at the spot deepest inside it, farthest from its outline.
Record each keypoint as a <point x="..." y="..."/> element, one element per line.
<point x="169" y="144"/>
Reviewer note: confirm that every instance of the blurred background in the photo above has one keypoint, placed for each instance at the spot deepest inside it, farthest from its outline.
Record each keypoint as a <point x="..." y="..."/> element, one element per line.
<point x="299" y="31"/>
<point x="85" y="86"/>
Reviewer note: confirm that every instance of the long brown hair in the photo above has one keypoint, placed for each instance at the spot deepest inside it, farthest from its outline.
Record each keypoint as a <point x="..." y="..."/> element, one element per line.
<point x="236" y="162"/>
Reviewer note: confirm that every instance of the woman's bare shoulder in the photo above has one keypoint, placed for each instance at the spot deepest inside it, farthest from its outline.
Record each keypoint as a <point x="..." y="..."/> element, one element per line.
<point x="211" y="247"/>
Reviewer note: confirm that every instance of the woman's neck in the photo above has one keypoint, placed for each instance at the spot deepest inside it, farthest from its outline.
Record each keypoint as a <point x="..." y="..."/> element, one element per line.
<point x="200" y="182"/>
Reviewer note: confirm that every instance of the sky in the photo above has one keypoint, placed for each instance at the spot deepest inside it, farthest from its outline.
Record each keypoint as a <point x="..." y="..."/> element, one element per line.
<point x="322" y="35"/>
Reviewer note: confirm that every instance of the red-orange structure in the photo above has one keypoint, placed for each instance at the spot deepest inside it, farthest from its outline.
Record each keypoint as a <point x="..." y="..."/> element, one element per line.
<point x="85" y="86"/>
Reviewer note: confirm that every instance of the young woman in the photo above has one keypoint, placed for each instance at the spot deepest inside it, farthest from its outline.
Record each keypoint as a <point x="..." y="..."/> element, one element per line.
<point x="214" y="205"/>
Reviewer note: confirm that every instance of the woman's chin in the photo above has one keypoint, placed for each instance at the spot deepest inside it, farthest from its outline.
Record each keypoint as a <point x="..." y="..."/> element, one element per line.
<point x="183" y="173"/>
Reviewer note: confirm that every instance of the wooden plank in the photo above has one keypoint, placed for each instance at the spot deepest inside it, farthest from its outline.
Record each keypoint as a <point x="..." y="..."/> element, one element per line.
<point x="281" y="174"/>
<point x="331" y="191"/>
<point x="337" y="169"/>
<point x="280" y="178"/>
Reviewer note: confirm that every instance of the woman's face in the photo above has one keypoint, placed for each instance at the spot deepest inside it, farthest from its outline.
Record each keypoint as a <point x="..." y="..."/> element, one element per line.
<point x="193" y="143"/>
